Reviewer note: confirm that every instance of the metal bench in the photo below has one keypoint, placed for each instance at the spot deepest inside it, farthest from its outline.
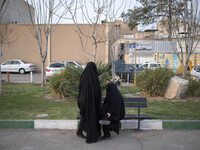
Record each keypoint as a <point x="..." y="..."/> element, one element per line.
<point x="137" y="102"/>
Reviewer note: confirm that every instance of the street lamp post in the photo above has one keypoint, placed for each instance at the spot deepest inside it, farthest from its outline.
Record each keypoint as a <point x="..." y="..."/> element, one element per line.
<point x="135" y="67"/>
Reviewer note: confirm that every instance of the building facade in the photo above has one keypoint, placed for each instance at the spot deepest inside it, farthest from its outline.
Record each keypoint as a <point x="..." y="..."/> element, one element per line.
<point x="65" y="45"/>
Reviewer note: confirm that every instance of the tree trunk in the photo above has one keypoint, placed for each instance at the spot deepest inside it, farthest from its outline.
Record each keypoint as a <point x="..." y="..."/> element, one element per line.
<point x="184" y="71"/>
<point x="170" y="21"/>
<point x="113" y="69"/>
<point x="43" y="76"/>
<point x="186" y="64"/>
<point x="95" y="51"/>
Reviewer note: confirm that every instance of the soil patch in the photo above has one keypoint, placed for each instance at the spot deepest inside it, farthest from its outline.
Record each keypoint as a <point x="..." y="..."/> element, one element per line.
<point x="55" y="98"/>
<point x="187" y="98"/>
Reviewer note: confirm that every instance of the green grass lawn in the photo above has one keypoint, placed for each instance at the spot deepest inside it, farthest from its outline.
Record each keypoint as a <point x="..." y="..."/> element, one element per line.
<point x="25" y="101"/>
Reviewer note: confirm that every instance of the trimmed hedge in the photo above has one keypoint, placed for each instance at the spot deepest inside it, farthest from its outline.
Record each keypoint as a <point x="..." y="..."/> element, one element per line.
<point x="154" y="82"/>
<point x="66" y="83"/>
<point x="194" y="88"/>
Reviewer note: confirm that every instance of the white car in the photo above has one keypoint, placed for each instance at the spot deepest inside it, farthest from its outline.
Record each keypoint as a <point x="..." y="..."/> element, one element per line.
<point x="17" y="66"/>
<point x="152" y="65"/>
<point x="54" y="67"/>
<point x="195" y="72"/>
<point x="74" y="63"/>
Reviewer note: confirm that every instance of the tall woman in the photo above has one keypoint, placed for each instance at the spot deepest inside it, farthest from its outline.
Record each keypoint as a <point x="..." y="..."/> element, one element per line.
<point x="89" y="103"/>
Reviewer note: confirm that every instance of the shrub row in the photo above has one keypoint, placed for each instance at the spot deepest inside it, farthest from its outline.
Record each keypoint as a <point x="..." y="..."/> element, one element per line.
<point x="154" y="82"/>
<point x="194" y="88"/>
<point x="66" y="83"/>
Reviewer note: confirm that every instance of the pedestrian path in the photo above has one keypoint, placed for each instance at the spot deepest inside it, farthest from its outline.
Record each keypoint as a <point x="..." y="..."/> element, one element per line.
<point x="42" y="139"/>
<point x="127" y="84"/>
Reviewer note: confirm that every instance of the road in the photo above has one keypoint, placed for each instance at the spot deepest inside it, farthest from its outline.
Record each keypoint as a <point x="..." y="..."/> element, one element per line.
<point x="32" y="139"/>
<point x="22" y="78"/>
<point x="25" y="78"/>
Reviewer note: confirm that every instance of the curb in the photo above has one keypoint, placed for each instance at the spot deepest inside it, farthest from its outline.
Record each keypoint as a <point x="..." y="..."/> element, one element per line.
<point x="144" y="124"/>
<point x="55" y="124"/>
<point x="25" y="124"/>
<point x="181" y="124"/>
<point x="125" y="124"/>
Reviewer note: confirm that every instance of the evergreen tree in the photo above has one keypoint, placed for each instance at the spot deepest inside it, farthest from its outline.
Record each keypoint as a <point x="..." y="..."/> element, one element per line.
<point x="151" y="10"/>
<point x="180" y="19"/>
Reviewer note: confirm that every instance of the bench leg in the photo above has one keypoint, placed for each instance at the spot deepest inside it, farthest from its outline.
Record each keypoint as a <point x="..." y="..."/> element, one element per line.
<point x="139" y="118"/>
<point x="138" y="124"/>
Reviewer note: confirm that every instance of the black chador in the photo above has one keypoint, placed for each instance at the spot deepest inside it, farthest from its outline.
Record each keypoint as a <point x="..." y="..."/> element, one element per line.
<point x="89" y="103"/>
<point x="114" y="105"/>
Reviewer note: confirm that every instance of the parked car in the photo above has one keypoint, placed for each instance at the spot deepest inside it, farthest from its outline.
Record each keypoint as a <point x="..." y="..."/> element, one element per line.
<point x="128" y="69"/>
<point x="74" y="63"/>
<point x="54" y="67"/>
<point x="16" y="65"/>
<point x="195" y="72"/>
<point x="152" y="65"/>
<point x="119" y="65"/>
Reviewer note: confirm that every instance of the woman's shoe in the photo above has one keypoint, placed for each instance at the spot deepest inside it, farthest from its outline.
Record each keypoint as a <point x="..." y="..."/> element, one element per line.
<point x="81" y="135"/>
<point x="105" y="138"/>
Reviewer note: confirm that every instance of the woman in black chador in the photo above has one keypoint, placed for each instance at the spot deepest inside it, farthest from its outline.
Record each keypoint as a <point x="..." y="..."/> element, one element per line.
<point x="89" y="103"/>
<point x="113" y="109"/>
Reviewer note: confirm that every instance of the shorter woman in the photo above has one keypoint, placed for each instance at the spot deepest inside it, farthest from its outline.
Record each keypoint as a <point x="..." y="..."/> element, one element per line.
<point x="112" y="109"/>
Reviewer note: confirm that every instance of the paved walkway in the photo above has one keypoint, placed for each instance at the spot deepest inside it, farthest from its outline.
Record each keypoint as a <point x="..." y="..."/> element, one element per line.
<point x="127" y="84"/>
<point x="31" y="139"/>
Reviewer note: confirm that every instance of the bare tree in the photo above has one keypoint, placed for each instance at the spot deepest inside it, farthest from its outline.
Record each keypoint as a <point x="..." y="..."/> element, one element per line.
<point x="186" y="31"/>
<point x="114" y="46"/>
<point x="6" y="36"/>
<point x="93" y="13"/>
<point x="3" y="7"/>
<point x="41" y="26"/>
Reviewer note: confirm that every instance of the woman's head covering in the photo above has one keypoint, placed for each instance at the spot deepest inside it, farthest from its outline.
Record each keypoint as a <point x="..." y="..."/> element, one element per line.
<point x="89" y="101"/>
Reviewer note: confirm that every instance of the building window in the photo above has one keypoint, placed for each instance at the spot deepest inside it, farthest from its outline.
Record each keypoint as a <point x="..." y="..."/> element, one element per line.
<point x="117" y="31"/>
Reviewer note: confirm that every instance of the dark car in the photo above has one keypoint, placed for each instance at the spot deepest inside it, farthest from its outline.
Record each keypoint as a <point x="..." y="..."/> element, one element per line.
<point x="119" y="65"/>
<point x="126" y="71"/>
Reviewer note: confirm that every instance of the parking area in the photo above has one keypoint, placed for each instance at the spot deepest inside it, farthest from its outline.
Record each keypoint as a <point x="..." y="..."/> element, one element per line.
<point x="25" y="78"/>
<point x="22" y="78"/>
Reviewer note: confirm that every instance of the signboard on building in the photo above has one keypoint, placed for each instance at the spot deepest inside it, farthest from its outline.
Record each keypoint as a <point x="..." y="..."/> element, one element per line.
<point x="196" y="46"/>
<point x="140" y="45"/>
<point x="144" y="45"/>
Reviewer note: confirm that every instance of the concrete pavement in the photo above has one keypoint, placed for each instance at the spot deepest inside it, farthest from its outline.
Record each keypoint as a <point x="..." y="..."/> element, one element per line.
<point x="22" y="78"/>
<point x="36" y="78"/>
<point x="34" y="139"/>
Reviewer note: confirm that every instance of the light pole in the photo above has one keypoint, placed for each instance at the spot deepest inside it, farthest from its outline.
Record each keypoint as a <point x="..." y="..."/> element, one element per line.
<point x="135" y="67"/>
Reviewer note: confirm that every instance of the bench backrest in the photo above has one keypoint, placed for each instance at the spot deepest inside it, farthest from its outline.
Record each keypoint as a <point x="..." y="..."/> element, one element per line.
<point x="134" y="102"/>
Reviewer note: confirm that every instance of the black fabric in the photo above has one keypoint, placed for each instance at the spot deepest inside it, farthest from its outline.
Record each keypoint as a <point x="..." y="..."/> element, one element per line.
<point x="89" y="103"/>
<point x="113" y="104"/>
<point x="106" y="130"/>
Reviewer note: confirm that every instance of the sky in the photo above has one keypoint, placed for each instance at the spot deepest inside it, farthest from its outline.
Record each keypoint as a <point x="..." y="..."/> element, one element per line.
<point x="119" y="7"/>
<point x="128" y="4"/>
